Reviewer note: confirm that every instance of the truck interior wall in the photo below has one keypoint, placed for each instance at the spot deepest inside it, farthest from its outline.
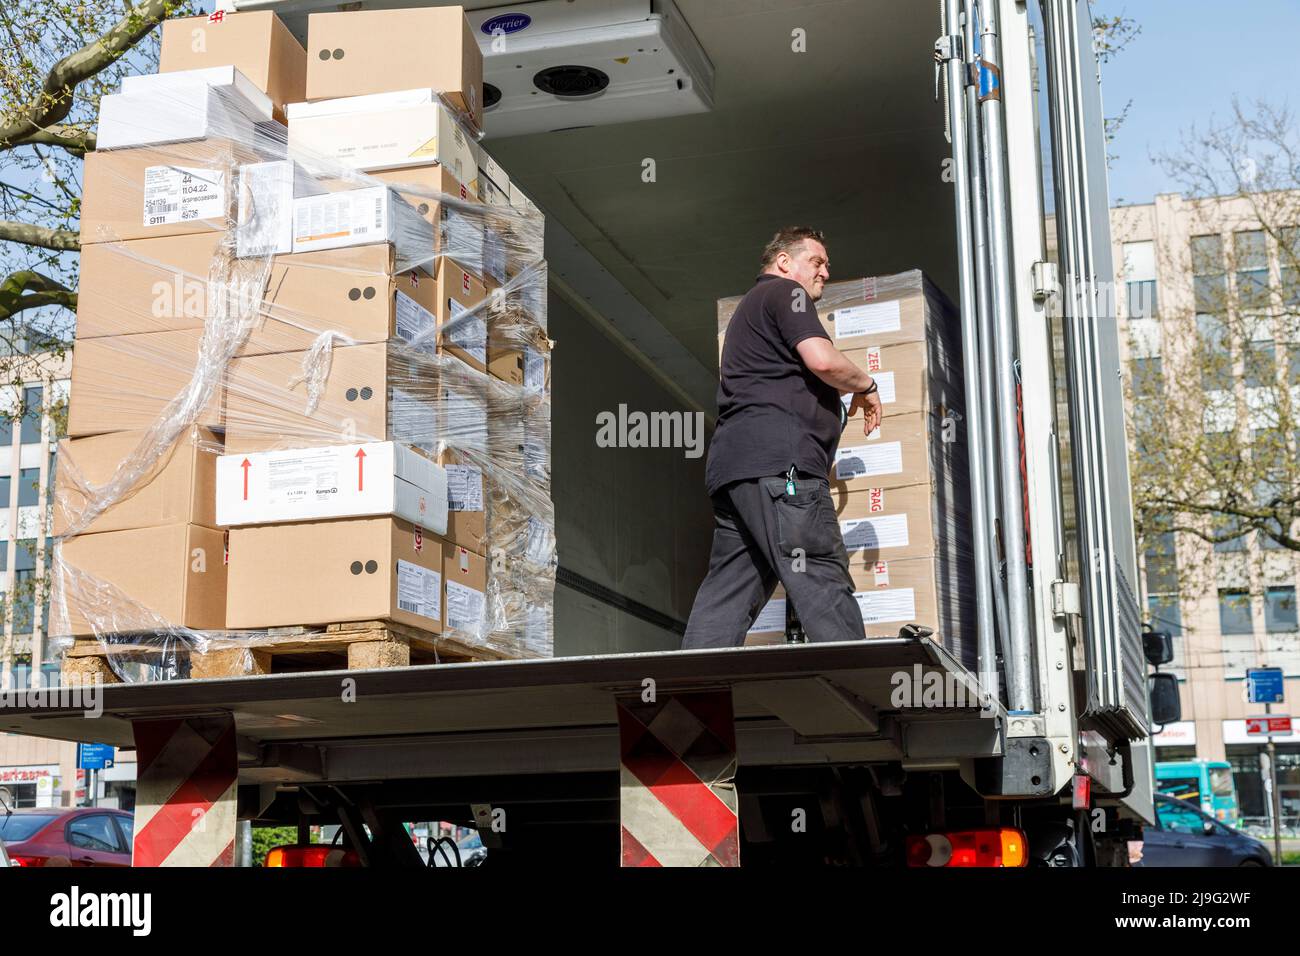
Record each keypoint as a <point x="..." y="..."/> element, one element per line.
<point x="633" y="520"/>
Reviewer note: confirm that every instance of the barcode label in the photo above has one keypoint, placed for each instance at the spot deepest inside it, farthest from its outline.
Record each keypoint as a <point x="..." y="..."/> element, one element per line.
<point x="419" y="590"/>
<point x="379" y="214"/>
<point x="181" y="194"/>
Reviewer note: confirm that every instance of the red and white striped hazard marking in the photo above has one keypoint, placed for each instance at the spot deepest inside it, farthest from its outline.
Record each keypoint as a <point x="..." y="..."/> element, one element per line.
<point x="677" y="767"/>
<point x="186" y="782"/>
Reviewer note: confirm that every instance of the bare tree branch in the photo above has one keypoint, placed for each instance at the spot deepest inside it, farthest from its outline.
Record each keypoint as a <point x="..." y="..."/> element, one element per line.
<point x="54" y="102"/>
<point x="62" y="240"/>
<point x="29" y="289"/>
<point x="76" y="141"/>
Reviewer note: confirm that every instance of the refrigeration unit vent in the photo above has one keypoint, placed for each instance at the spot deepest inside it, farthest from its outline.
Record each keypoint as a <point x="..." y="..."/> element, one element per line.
<point x="554" y="65"/>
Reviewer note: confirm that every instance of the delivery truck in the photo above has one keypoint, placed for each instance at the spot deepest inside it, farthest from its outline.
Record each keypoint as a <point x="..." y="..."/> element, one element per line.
<point x="664" y="143"/>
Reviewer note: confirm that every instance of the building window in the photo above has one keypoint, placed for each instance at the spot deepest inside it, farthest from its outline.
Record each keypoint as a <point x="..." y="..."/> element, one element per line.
<point x="31" y="428"/>
<point x="1141" y="299"/>
<point x="5" y="484"/>
<point x="1226" y="525"/>
<point x="1279" y="610"/>
<point x="1216" y="353"/>
<point x="1209" y="282"/>
<point x="1260" y="364"/>
<point x="29" y="487"/>
<point x="1165" y="613"/>
<point x="1234" y="611"/>
<point x="1251" y="254"/>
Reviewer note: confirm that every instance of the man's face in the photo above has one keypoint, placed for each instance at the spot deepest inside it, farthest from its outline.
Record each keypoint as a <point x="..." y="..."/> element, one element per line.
<point x="809" y="266"/>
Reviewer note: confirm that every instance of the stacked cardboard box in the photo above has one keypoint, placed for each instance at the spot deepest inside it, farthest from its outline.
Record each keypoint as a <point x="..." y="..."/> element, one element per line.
<point x="306" y="335"/>
<point x="901" y="493"/>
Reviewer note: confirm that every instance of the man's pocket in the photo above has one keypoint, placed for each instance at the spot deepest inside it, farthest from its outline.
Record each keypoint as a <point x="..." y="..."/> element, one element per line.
<point x="804" y="520"/>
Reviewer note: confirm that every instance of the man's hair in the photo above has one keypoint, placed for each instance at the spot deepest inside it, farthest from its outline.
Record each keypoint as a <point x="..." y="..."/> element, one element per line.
<point x="786" y="239"/>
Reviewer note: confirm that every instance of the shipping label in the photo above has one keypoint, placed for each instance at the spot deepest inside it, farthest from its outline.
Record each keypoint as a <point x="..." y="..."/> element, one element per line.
<point x="464" y="488"/>
<point x="873" y="534"/>
<point x="311" y="477"/>
<point x="183" y="194"/>
<point x="464" y="607"/>
<point x="771" y="618"/>
<point x="887" y="606"/>
<point x="861" y="460"/>
<point x="414" y="322"/>
<point x="874" y="318"/>
<point x="467" y="330"/>
<point x="419" y="590"/>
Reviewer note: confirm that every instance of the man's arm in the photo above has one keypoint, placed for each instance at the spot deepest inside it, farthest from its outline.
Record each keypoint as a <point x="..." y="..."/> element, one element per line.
<point x="829" y="364"/>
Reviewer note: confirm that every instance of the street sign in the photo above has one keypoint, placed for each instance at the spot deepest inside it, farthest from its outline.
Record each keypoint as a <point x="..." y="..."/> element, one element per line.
<point x="1264" y="685"/>
<point x="1271" y="725"/>
<point x="94" y="756"/>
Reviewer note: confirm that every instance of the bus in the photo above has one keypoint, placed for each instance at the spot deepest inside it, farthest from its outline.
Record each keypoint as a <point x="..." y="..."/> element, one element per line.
<point x="1206" y="783"/>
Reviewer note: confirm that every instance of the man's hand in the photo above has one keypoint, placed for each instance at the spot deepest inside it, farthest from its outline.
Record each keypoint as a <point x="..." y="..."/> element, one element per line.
<point x="871" y="410"/>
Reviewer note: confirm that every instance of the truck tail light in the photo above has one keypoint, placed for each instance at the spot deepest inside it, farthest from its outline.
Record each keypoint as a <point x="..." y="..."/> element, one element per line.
<point x="311" y="855"/>
<point x="993" y="846"/>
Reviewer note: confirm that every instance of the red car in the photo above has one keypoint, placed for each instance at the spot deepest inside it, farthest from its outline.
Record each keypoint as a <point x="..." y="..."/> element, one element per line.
<point x="86" y="836"/>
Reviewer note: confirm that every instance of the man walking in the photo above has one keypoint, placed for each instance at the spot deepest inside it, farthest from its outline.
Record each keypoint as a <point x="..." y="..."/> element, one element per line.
<point x="779" y="422"/>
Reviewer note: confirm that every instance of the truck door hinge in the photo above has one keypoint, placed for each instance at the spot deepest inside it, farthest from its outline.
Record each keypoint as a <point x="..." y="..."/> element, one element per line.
<point x="947" y="47"/>
<point x="1065" y="598"/>
<point x="1043" y="280"/>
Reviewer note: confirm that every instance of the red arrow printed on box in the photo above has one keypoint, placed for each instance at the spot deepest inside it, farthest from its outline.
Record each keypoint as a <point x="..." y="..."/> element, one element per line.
<point x="246" y="464"/>
<point x="361" y="464"/>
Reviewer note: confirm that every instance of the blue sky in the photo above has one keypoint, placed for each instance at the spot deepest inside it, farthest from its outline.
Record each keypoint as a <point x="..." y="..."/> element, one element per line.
<point x="1191" y="58"/>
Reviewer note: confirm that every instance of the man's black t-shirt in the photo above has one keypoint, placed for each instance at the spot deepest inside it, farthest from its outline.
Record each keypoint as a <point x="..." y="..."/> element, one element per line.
<point x="772" y="411"/>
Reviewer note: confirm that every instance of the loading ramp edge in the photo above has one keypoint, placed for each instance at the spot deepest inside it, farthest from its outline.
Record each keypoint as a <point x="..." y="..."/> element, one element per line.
<point x="793" y="704"/>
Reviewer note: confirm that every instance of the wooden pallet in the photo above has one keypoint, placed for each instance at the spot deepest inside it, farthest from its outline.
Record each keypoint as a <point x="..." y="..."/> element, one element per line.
<point x="359" y="645"/>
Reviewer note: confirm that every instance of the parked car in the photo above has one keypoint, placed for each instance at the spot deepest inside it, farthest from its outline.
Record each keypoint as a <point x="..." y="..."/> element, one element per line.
<point x="1185" y="836"/>
<point x="85" y="836"/>
<point x="4" y="856"/>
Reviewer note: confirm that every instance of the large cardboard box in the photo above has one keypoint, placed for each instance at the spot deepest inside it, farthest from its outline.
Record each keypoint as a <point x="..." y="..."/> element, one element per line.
<point x="383" y="131"/>
<point x="379" y="51"/>
<point x="376" y="392"/>
<point x="914" y="376"/>
<point x="887" y="522"/>
<point x="332" y="481"/>
<point x="322" y="572"/>
<point x="359" y="217"/>
<point x="903" y="450"/>
<point x="257" y="43"/>
<point x="172" y="190"/>
<point x="176" y="573"/>
<point x="466" y="514"/>
<point x="445" y="202"/>
<point x="462" y="313"/>
<point x="359" y="292"/>
<point x="158" y="108"/>
<point x="178" y="489"/>
<point x="145" y="285"/>
<point x="464" y="575"/>
<point x="121" y="382"/>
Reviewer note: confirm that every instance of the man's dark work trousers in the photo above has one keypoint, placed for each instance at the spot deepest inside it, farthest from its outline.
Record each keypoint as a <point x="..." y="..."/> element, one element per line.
<point x="763" y="535"/>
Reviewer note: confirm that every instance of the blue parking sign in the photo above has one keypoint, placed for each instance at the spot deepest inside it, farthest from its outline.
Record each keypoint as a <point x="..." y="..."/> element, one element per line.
<point x="94" y="756"/>
<point x="1264" y="685"/>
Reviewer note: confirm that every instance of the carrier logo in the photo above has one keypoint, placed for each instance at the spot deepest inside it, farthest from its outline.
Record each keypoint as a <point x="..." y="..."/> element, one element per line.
<point x="506" y="23"/>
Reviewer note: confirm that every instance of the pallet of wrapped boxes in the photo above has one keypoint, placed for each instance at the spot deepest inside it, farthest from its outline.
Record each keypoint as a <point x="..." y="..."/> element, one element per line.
<point x="309" y="421"/>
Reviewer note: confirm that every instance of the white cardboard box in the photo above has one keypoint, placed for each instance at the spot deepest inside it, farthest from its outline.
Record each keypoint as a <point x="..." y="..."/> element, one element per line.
<point x="178" y="107"/>
<point x="358" y="217"/>
<point x="332" y="481"/>
<point x="266" y="195"/>
<point x="383" y="131"/>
